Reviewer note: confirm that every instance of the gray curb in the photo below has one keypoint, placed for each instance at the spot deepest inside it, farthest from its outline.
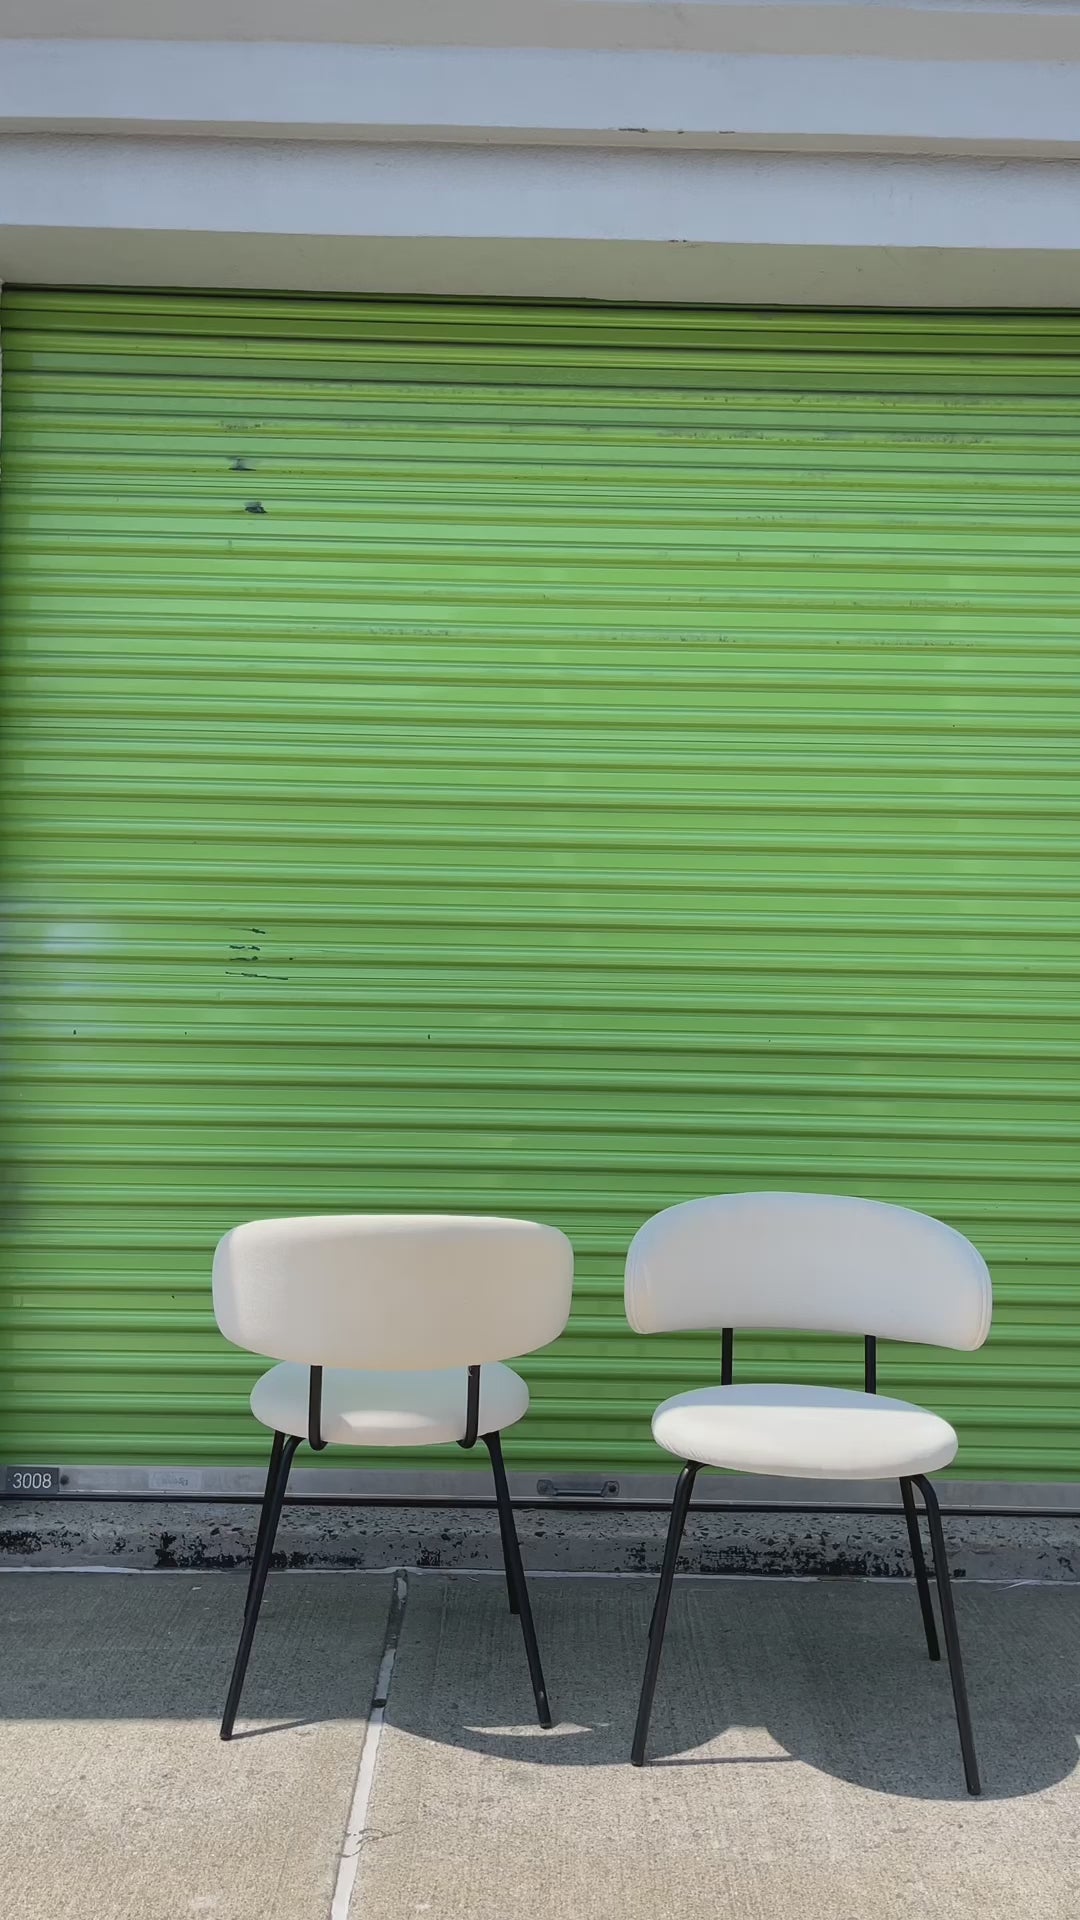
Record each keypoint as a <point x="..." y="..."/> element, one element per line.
<point x="174" y="1535"/>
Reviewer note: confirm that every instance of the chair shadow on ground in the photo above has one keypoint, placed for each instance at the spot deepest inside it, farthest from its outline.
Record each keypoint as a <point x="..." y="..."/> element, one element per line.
<point x="830" y="1673"/>
<point x="756" y="1673"/>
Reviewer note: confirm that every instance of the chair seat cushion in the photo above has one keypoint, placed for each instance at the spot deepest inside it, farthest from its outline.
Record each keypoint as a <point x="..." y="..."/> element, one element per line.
<point x="804" y="1433"/>
<point x="389" y="1409"/>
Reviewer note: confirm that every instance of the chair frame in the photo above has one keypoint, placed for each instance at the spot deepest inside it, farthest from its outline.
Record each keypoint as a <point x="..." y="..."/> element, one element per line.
<point x="680" y="1507"/>
<point x="282" y="1454"/>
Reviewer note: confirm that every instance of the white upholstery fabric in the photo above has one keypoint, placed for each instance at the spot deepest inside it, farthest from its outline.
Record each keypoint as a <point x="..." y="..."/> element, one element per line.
<point x="389" y="1409"/>
<point x="816" y="1262"/>
<point x="392" y="1290"/>
<point x="804" y="1433"/>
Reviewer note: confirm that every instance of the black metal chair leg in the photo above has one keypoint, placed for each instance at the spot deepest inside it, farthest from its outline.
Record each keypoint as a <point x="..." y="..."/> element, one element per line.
<point x="952" y="1636"/>
<point x="515" y="1576"/>
<point x="507" y="1553"/>
<point x="922" y="1581"/>
<point x="511" y="1591"/>
<point x="272" y="1472"/>
<point x="679" y="1508"/>
<point x="268" y="1526"/>
<point x="653" y="1614"/>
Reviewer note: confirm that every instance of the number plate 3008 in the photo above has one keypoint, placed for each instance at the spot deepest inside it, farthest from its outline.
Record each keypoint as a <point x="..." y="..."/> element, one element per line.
<point x="31" y="1483"/>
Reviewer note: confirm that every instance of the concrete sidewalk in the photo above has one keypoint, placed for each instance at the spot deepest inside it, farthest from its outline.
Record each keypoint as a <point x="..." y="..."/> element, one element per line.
<point x="120" y="1802"/>
<point x="805" y="1761"/>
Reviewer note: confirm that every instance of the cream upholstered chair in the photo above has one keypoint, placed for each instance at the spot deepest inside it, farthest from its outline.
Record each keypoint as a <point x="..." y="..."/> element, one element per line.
<point x="391" y="1331"/>
<point x="815" y="1263"/>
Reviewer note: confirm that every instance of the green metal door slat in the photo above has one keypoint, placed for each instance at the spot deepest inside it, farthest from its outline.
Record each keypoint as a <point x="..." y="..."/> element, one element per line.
<point x="540" y="759"/>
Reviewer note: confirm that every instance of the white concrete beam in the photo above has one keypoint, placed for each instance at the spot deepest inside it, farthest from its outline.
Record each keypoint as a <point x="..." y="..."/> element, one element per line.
<point x="514" y="96"/>
<point x="722" y="227"/>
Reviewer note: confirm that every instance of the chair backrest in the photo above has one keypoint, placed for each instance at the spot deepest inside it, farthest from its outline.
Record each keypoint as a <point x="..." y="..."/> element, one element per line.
<point x="392" y="1291"/>
<point x="810" y="1262"/>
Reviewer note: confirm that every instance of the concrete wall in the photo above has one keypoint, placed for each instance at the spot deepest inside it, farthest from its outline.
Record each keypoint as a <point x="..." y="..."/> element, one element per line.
<point x="883" y="153"/>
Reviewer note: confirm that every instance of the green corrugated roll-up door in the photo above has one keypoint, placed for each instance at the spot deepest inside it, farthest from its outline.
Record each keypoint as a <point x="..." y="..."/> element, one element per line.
<point x="548" y="760"/>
